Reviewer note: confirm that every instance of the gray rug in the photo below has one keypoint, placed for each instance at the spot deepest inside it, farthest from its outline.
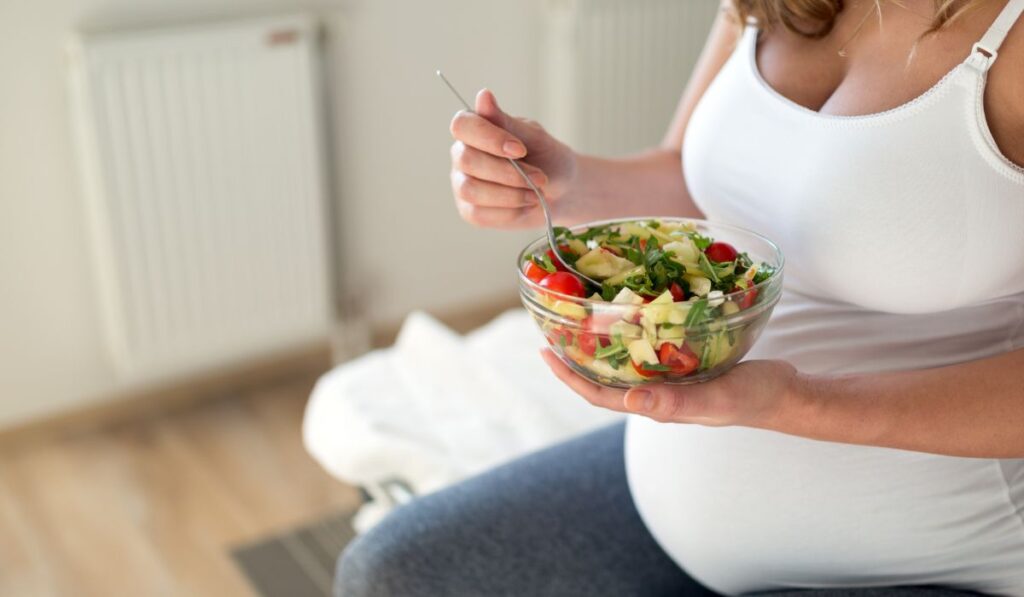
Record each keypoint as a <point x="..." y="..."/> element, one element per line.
<point x="299" y="563"/>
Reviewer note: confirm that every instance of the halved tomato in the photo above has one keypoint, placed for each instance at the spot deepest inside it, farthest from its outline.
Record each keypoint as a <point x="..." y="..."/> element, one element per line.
<point x="747" y="300"/>
<point x="534" y="272"/>
<point x="644" y="371"/>
<point x="681" y="360"/>
<point x="589" y="343"/>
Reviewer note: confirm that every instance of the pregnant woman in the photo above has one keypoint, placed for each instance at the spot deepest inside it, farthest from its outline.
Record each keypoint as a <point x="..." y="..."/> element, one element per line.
<point x="874" y="439"/>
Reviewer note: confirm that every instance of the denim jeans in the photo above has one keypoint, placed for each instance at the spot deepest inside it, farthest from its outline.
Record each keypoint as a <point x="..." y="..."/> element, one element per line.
<point x="559" y="522"/>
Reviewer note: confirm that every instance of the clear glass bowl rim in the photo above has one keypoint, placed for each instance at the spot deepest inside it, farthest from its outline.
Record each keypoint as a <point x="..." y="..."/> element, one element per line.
<point x="587" y="301"/>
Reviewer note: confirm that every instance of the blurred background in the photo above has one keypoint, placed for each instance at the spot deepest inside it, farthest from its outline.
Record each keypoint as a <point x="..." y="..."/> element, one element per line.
<point x="207" y="204"/>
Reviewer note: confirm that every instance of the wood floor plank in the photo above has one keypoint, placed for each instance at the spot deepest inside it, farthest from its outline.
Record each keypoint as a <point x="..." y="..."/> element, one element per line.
<point x="154" y="506"/>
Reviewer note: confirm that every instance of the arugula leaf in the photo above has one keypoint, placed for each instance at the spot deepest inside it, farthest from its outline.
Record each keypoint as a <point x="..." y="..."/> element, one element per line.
<point x="656" y="367"/>
<point x="561" y="231"/>
<point x="707" y="268"/>
<point x="652" y="257"/>
<point x="764" y="272"/>
<point x="544" y="262"/>
<point x="618" y="360"/>
<point x="614" y="348"/>
<point x="705" y="354"/>
<point x="696" y="312"/>
<point x="700" y="240"/>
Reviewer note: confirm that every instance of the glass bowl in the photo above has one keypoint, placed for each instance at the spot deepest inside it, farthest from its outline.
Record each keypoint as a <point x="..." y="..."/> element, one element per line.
<point x="707" y="336"/>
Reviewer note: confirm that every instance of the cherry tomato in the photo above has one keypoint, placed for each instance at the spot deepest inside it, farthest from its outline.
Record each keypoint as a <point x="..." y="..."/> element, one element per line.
<point x="589" y="343"/>
<point x="535" y="272"/>
<point x="747" y="300"/>
<point x="556" y="337"/>
<point x="681" y="360"/>
<point x="563" y="282"/>
<point x="554" y="260"/>
<point x="643" y="371"/>
<point x="677" y="292"/>
<point x="721" y="252"/>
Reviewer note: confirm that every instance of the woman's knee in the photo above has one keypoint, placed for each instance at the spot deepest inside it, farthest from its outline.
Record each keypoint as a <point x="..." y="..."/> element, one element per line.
<point x="369" y="566"/>
<point x="393" y="558"/>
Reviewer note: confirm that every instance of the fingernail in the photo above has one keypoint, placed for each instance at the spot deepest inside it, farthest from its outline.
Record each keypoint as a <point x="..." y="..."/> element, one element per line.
<point x="539" y="179"/>
<point x="641" y="400"/>
<point x="513" y="149"/>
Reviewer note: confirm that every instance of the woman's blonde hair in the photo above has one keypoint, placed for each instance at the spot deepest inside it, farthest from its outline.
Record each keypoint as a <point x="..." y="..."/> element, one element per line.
<point x="815" y="18"/>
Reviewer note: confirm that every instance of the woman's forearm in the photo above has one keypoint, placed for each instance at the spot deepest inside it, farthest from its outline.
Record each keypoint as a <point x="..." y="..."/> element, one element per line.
<point x="973" y="409"/>
<point x="647" y="184"/>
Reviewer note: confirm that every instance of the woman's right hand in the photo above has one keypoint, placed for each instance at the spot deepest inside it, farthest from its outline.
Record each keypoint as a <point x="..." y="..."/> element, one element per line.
<point x="488" y="190"/>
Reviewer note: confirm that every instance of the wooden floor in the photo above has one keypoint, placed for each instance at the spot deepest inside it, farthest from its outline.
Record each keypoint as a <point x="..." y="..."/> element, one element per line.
<point x="153" y="506"/>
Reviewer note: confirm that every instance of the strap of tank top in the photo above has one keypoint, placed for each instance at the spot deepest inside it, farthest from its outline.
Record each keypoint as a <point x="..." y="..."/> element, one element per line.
<point x="984" y="53"/>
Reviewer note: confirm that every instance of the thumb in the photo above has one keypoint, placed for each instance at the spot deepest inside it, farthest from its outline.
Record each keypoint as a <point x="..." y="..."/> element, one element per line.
<point x="487" y="106"/>
<point x="695" y="403"/>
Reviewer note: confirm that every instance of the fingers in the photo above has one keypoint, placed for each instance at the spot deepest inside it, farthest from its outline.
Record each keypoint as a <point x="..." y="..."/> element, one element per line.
<point x="476" y="131"/>
<point x="593" y="393"/>
<point x="489" y="194"/>
<point x="500" y="217"/>
<point x="485" y="166"/>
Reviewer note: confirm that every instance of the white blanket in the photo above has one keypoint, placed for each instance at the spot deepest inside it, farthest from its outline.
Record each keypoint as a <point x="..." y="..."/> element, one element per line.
<point x="438" y="407"/>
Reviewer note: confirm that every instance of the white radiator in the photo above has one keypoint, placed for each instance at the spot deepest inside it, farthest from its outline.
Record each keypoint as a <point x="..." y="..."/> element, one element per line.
<point x="614" y="69"/>
<point x="202" y="161"/>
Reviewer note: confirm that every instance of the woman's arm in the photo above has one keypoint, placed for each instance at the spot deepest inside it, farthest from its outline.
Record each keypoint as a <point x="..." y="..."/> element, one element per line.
<point x="969" y="409"/>
<point x="488" y="192"/>
<point x="973" y="409"/>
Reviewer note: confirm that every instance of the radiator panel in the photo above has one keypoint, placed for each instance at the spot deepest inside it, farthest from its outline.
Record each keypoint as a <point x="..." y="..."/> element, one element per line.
<point x="614" y="70"/>
<point x="203" y="165"/>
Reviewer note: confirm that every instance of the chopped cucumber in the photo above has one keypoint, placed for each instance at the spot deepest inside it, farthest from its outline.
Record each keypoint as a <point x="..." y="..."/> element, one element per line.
<point x="601" y="264"/>
<point x="664" y="298"/>
<point x="628" y="297"/>
<point x="683" y="251"/>
<point x="570" y="310"/>
<point x="577" y="246"/>
<point x="699" y="285"/>
<point x="641" y="352"/>
<point x="622" y="277"/>
<point x="625" y="329"/>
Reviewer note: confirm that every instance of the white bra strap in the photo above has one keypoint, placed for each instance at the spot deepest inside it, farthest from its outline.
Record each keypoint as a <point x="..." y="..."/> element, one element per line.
<point x="985" y="51"/>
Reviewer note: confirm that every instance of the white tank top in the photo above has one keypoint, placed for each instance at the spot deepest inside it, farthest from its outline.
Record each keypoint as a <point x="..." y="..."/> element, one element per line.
<point x="904" y="238"/>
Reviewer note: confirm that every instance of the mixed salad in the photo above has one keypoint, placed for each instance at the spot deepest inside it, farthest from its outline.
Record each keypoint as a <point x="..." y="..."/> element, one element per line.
<point x="663" y="305"/>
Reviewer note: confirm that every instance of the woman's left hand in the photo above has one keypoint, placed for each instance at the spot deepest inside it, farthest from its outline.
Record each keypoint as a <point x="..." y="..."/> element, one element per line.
<point x="751" y="394"/>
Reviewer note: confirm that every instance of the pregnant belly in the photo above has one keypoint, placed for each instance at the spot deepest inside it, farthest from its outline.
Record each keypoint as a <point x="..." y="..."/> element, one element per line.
<point x="746" y="510"/>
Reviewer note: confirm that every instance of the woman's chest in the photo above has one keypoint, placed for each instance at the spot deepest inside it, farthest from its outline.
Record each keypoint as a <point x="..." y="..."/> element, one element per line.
<point x="898" y="212"/>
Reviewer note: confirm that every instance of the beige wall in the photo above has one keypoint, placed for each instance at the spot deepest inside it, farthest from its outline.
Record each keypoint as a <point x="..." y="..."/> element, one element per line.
<point x="389" y="133"/>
